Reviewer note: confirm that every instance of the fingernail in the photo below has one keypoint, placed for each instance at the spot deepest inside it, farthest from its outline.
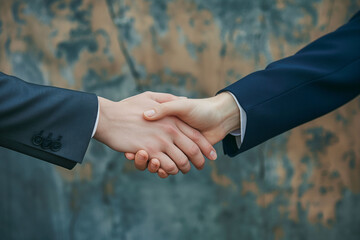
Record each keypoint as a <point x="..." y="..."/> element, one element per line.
<point x="149" y="113"/>
<point x="213" y="155"/>
<point x="182" y="97"/>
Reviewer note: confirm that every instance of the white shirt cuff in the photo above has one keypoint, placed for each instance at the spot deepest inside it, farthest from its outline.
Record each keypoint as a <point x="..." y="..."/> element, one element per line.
<point x="239" y="133"/>
<point x="96" y="122"/>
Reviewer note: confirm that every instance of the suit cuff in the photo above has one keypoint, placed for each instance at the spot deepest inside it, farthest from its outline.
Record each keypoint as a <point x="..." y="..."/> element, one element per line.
<point x="97" y="121"/>
<point x="239" y="134"/>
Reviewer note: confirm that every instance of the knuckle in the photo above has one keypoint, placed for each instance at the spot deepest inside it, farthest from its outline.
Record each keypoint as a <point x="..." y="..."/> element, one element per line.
<point x="171" y="130"/>
<point x="196" y="136"/>
<point x="200" y="164"/>
<point x="186" y="169"/>
<point x="183" y="163"/>
<point x="172" y="169"/>
<point x="193" y="150"/>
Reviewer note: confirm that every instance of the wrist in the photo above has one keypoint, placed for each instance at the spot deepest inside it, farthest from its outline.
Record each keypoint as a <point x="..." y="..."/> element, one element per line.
<point x="102" y="118"/>
<point x="229" y="112"/>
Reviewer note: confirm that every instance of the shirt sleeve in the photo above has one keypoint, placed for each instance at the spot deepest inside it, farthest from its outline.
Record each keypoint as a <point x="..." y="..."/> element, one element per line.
<point x="96" y="122"/>
<point x="239" y="134"/>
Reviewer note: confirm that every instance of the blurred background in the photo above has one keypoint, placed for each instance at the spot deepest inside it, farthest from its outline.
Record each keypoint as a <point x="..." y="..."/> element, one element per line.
<point x="303" y="184"/>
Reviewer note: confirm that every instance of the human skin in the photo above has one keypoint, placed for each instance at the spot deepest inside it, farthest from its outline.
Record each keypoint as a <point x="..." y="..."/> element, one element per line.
<point x="214" y="117"/>
<point x="169" y="141"/>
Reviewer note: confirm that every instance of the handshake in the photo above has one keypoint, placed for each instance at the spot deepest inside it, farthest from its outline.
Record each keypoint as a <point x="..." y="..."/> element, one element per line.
<point x="169" y="131"/>
<point x="173" y="131"/>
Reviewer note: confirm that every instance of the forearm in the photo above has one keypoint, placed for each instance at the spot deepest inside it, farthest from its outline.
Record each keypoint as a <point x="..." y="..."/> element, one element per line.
<point x="62" y="119"/>
<point x="229" y="111"/>
<point x="316" y="80"/>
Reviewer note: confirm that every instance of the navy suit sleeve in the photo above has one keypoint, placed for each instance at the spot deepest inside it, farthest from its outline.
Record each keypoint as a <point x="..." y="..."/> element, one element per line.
<point x="48" y="123"/>
<point x="316" y="80"/>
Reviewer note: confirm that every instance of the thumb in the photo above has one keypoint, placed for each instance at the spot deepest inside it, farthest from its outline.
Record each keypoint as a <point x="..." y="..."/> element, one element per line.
<point x="163" y="97"/>
<point x="174" y="108"/>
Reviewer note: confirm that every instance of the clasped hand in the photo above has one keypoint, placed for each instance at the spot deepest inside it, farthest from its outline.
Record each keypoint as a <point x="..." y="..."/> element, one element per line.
<point x="171" y="131"/>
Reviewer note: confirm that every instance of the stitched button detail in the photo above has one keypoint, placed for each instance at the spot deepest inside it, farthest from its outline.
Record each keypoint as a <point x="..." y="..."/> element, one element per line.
<point x="56" y="145"/>
<point x="48" y="142"/>
<point x="37" y="139"/>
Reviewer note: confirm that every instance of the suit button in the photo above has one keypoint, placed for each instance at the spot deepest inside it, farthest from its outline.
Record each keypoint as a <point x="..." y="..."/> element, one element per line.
<point x="47" y="142"/>
<point x="56" y="145"/>
<point x="37" y="139"/>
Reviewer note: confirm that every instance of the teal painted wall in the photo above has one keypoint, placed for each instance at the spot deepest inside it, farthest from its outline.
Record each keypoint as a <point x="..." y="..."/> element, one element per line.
<point x="303" y="184"/>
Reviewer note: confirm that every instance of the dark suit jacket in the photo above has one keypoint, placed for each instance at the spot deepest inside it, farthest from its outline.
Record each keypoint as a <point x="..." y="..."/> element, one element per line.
<point x="316" y="80"/>
<point x="48" y="123"/>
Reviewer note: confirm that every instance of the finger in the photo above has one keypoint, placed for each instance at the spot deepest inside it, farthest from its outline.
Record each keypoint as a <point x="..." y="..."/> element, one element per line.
<point x="196" y="137"/>
<point x="154" y="165"/>
<point x="178" y="157"/>
<point x="141" y="160"/>
<point x="130" y="156"/>
<point x="175" y="108"/>
<point x="162" y="173"/>
<point x="190" y="149"/>
<point x="167" y="164"/>
<point x="162" y="97"/>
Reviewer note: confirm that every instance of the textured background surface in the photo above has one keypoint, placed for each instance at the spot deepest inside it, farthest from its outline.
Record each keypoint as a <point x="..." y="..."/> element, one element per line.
<point x="304" y="184"/>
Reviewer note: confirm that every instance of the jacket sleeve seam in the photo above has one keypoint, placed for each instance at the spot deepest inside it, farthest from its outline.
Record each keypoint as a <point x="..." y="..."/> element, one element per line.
<point x="301" y="85"/>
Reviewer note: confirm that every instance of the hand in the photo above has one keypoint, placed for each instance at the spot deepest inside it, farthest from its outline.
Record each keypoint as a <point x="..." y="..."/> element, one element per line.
<point x="214" y="117"/>
<point x="122" y="127"/>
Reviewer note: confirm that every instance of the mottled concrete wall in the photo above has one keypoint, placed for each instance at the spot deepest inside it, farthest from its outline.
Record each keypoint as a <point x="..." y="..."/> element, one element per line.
<point x="304" y="184"/>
